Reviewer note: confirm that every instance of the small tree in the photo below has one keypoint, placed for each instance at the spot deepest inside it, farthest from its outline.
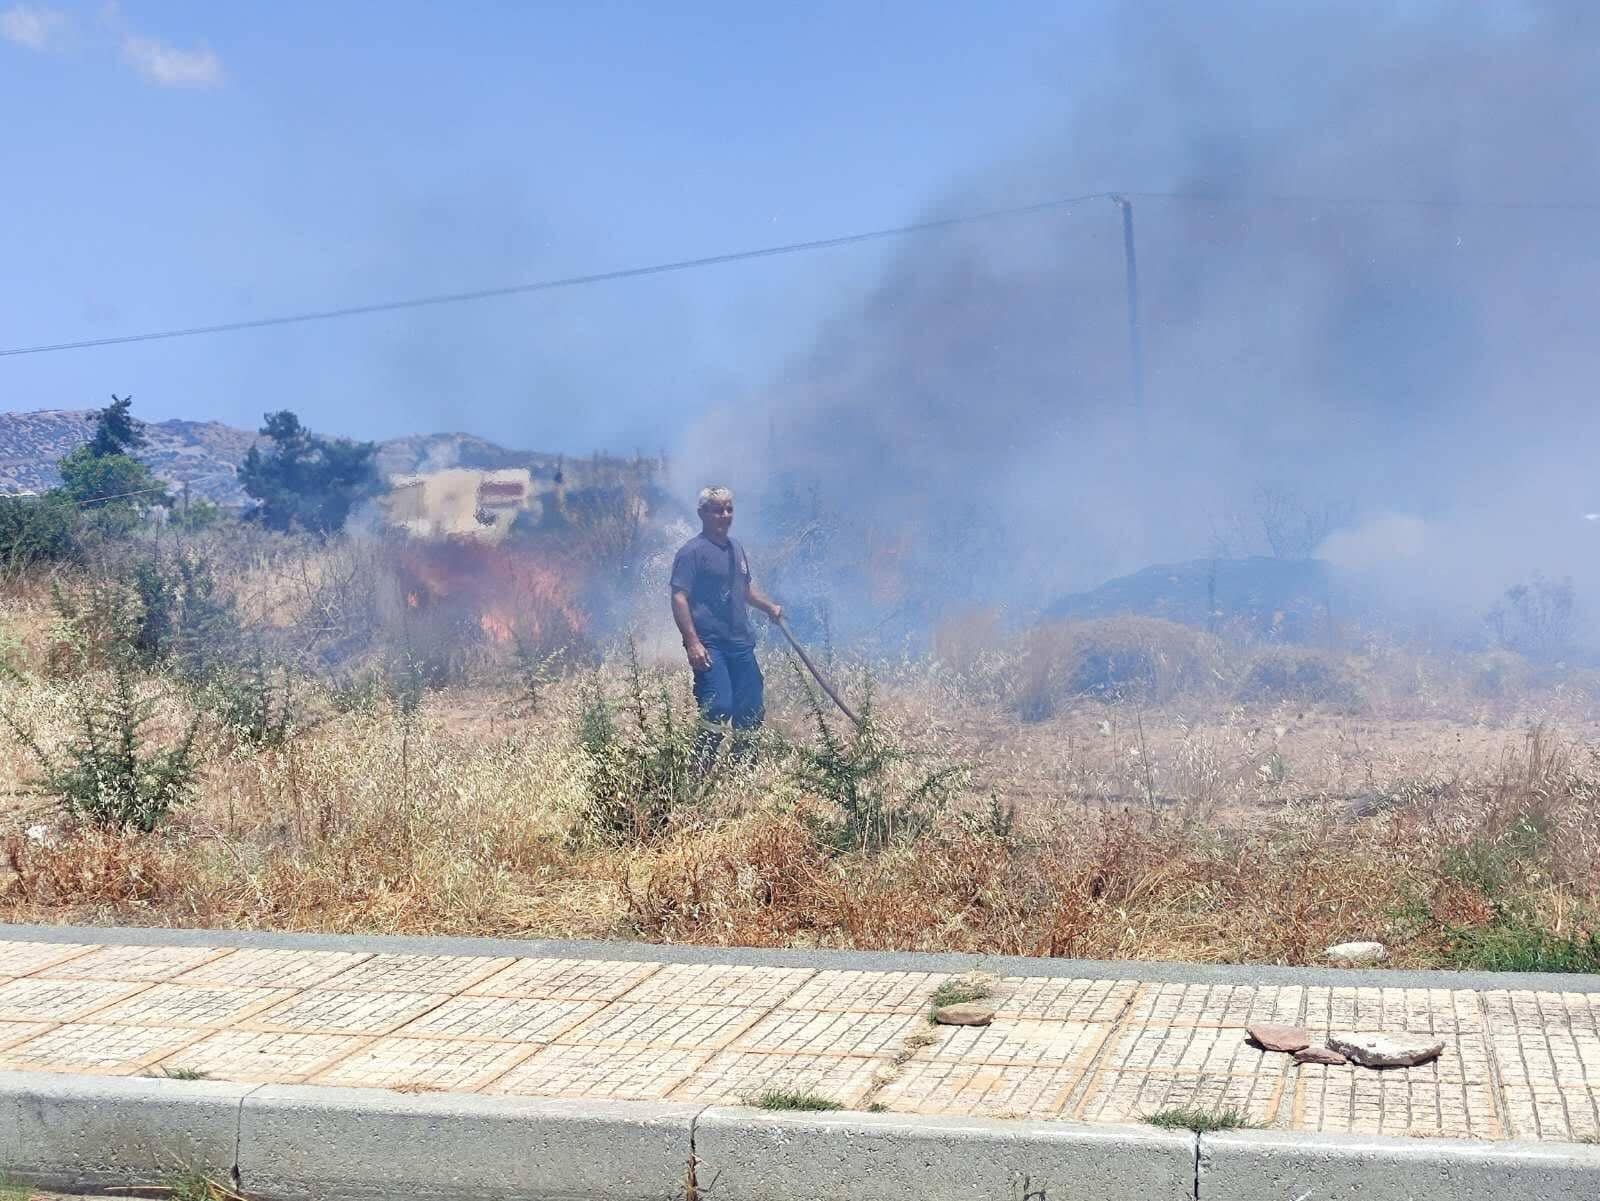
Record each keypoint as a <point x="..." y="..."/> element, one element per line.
<point x="1295" y="527"/>
<point x="305" y="481"/>
<point x="116" y="432"/>
<point x="1536" y="619"/>
<point x="103" y="477"/>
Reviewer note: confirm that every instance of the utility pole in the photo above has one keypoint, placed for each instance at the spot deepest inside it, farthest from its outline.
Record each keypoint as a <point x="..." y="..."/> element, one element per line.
<point x="1135" y="345"/>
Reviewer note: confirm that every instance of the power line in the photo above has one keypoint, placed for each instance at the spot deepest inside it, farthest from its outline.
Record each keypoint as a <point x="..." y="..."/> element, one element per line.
<point x="570" y="281"/>
<point x="597" y="277"/>
<point x="100" y="500"/>
<point x="1269" y="198"/>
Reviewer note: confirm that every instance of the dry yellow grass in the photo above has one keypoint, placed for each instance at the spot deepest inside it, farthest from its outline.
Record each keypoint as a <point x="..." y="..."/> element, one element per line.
<point x="1187" y="825"/>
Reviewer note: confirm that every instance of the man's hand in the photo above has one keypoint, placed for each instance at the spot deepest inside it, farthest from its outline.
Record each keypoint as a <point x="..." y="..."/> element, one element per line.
<point x="775" y="612"/>
<point x="699" y="657"/>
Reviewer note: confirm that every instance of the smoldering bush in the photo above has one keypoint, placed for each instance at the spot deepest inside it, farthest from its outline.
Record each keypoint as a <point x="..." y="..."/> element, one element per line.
<point x="1296" y="674"/>
<point x="1143" y="659"/>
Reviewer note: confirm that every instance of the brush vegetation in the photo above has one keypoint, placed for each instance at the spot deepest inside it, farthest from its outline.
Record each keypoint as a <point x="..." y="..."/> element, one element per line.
<point x="241" y="727"/>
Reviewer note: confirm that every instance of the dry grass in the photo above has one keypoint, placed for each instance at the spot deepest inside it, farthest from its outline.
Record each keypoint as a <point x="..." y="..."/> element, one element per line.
<point x="1176" y="821"/>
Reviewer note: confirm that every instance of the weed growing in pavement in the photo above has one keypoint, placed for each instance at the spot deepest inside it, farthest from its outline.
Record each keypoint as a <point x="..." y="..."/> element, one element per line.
<point x="959" y="991"/>
<point x="1201" y="1121"/>
<point x="182" y="1073"/>
<point x="190" y="1184"/>
<point x="789" y="1098"/>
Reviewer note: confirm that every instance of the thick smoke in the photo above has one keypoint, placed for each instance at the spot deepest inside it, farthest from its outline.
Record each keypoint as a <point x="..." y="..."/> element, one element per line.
<point x="1319" y="316"/>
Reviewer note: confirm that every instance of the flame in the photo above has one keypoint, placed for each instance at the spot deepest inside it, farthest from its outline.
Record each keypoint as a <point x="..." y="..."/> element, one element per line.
<point x="508" y="593"/>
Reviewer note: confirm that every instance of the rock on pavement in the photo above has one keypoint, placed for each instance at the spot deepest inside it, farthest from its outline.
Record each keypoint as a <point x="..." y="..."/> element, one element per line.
<point x="964" y="1015"/>
<point x="1280" y="1038"/>
<point x="1387" y="1050"/>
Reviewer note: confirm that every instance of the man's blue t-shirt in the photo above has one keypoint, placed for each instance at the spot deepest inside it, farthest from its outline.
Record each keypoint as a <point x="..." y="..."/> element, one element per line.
<point x="715" y="578"/>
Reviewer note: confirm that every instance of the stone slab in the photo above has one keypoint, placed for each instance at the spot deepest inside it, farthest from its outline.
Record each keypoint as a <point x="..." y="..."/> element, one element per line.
<point x="303" y="1143"/>
<point x="1246" y="1165"/>
<point x="87" y="1132"/>
<point x="750" y="1155"/>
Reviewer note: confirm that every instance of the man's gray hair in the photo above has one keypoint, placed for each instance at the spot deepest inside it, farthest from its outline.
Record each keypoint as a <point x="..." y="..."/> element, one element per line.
<point x="714" y="495"/>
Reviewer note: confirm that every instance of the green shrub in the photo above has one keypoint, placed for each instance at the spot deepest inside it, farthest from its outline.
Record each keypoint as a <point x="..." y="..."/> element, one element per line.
<point x="1515" y="944"/>
<point x="860" y="775"/>
<point x="1498" y="867"/>
<point x="109" y="773"/>
<point x="253" y="703"/>
<point x="640" y="771"/>
<point x="96" y="624"/>
<point x="197" y="515"/>
<point x="39" y="529"/>
<point x="184" y="620"/>
<point x="165" y="611"/>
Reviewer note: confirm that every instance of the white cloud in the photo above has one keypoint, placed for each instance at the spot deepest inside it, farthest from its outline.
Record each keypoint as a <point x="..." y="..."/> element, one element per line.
<point x="29" y="26"/>
<point x="169" y="66"/>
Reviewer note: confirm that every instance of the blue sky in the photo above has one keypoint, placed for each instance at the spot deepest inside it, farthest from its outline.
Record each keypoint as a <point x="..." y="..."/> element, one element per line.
<point x="178" y="163"/>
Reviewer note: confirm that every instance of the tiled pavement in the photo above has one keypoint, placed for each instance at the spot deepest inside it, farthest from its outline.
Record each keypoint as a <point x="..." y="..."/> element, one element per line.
<point x="1517" y="1064"/>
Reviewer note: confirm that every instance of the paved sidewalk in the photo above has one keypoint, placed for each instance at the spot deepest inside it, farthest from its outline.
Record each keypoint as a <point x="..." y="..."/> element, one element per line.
<point x="1519" y="1062"/>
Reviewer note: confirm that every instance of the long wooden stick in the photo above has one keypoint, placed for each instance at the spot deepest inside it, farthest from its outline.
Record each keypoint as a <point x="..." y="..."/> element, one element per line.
<point x="817" y="675"/>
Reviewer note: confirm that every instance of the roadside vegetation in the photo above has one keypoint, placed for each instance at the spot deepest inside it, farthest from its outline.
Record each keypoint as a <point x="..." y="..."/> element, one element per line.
<point x="1201" y="1121"/>
<point x="274" y="724"/>
<point x="793" y="1099"/>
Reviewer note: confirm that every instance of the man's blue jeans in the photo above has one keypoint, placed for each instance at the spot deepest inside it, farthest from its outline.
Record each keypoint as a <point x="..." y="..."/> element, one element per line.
<point x="730" y="690"/>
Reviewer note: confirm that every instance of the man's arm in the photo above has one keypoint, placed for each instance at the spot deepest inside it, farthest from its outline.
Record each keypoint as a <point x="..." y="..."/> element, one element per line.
<point x="699" y="657"/>
<point x="754" y="596"/>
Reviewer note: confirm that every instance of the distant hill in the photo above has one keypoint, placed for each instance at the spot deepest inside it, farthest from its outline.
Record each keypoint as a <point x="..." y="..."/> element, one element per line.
<point x="205" y="452"/>
<point x="208" y="453"/>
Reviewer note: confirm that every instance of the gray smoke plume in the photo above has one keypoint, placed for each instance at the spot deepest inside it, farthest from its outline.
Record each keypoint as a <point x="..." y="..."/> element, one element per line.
<point x="1347" y="300"/>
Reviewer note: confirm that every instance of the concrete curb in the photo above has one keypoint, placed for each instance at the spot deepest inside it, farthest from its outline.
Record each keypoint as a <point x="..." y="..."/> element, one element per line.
<point x="298" y="1143"/>
<point x="85" y="1133"/>
<point x="302" y="1143"/>
<point x="1141" y="971"/>
<point x="749" y="1155"/>
<point x="1253" y="1165"/>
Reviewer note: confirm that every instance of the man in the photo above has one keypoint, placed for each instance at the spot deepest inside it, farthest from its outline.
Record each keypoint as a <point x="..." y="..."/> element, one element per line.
<point x="711" y="587"/>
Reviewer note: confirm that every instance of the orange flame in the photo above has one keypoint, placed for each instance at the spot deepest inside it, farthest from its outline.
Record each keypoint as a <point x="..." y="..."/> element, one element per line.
<point x="509" y="593"/>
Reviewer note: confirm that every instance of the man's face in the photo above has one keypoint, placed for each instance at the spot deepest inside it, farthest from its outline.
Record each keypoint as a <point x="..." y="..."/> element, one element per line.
<point x="717" y="517"/>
